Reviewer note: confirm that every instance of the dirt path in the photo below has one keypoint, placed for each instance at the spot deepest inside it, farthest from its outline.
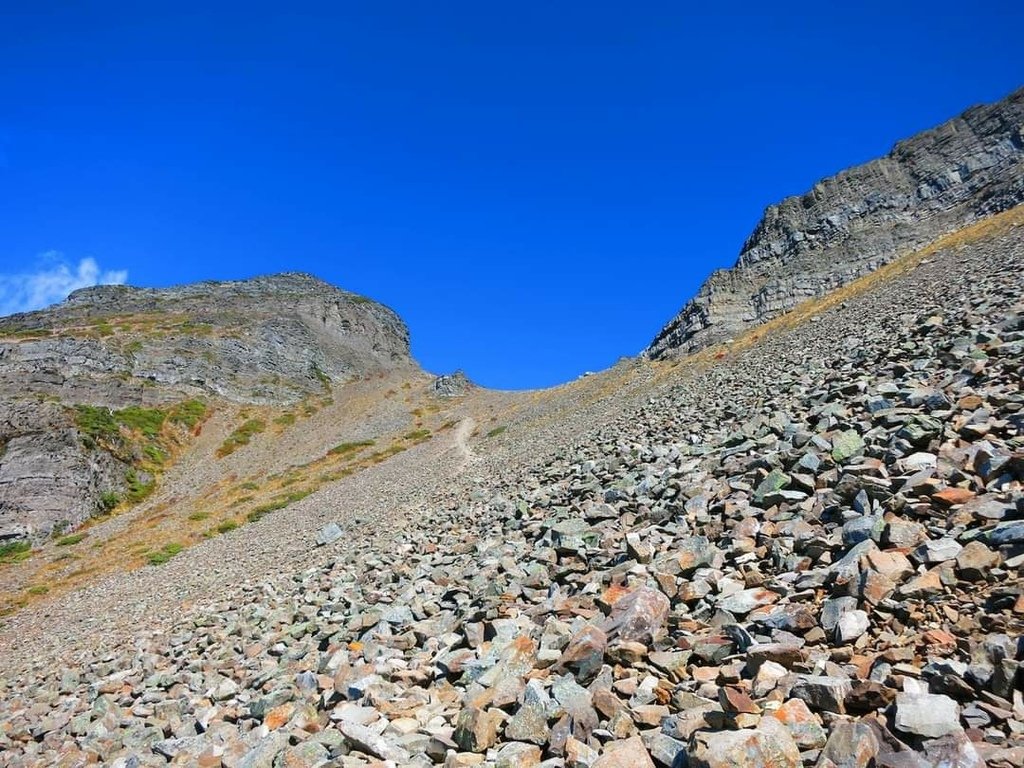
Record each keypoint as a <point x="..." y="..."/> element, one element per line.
<point x="462" y="435"/>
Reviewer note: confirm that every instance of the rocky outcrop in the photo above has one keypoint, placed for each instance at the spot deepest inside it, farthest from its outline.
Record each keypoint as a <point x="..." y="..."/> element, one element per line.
<point x="452" y="384"/>
<point x="272" y="339"/>
<point x="47" y="477"/>
<point x="854" y="222"/>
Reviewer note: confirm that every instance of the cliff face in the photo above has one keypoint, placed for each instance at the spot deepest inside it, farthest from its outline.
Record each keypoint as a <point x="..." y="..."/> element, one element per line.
<point x="852" y="223"/>
<point x="68" y="373"/>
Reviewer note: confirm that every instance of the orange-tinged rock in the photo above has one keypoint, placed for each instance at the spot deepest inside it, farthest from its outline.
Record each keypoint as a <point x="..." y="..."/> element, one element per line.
<point x="891" y="564"/>
<point x="954" y="495"/>
<point x="939" y="638"/>
<point x="639" y="616"/>
<point x="803" y="725"/>
<point x="927" y="583"/>
<point x="734" y="701"/>
<point x="614" y="593"/>
<point x="584" y="655"/>
<point x="705" y="674"/>
<point x="628" y="753"/>
<point x="279" y="716"/>
<point x="863" y="664"/>
<point x="770" y="745"/>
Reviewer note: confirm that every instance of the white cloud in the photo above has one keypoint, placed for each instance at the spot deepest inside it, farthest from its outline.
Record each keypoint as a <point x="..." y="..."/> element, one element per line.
<point x="53" y="279"/>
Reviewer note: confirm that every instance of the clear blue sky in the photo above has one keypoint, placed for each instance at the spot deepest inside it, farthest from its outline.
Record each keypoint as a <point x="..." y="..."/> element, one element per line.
<point x="536" y="187"/>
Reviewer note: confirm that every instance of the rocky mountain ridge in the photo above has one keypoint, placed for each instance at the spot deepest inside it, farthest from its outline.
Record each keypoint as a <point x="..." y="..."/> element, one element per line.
<point x="849" y="224"/>
<point x="138" y="354"/>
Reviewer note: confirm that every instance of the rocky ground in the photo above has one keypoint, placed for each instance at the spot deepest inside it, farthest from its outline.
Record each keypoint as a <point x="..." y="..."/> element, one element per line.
<point x="807" y="552"/>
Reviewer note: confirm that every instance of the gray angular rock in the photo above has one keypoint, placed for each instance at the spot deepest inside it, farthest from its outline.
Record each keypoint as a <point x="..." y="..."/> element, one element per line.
<point x="928" y="715"/>
<point x="329" y="534"/>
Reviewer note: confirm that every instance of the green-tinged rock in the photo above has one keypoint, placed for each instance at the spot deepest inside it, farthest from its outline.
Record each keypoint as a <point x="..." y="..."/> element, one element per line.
<point x="846" y="445"/>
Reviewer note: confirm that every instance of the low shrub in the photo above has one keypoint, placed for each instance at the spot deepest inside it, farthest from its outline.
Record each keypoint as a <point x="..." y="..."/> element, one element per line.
<point x="241" y="436"/>
<point x="107" y="501"/>
<point x="138" y="489"/>
<point x="343" y="449"/>
<point x="15" y="551"/>
<point x="164" y="554"/>
<point x="188" y="413"/>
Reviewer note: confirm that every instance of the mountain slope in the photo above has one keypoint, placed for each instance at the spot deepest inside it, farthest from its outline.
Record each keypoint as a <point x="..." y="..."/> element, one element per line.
<point x="801" y="548"/>
<point x="98" y="393"/>
<point x="805" y="550"/>
<point x="933" y="183"/>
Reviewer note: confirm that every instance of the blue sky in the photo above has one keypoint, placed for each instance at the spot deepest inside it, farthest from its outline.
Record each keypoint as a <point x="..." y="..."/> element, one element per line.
<point x="535" y="187"/>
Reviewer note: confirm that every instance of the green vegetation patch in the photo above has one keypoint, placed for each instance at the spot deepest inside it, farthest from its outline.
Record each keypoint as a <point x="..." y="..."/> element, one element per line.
<point x="275" y="504"/>
<point x="107" y="502"/>
<point x="148" y="421"/>
<point x="67" y="541"/>
<point x="417" y="434"/>
<point x="96" y="423"/>
<point x="240" y="437"/>
<point x="496" y="431"/>
<point x="138" y="489"/>
<point x="15" y="551"/>
<point x="30" y="333"/>
<point x="164" y="554"/>
<point x="319" y="375"/>
<point x="103" y="425"/>
<point x="188" y="413"/>
<point x="193" y="328"/>
<point x="227" y="525"/>
<point x="343" y="449"/>
<point x="378" y="456"/>
<point x="155" y="454"/>
<point x="38" y="589"/>
<point x="285" y="419"/>
<point x="197" y="516"/>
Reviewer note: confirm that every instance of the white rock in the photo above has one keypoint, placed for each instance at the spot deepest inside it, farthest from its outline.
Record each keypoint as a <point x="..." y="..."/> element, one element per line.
<point x="852" y="625"/>
<point x="927" y="714"/>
